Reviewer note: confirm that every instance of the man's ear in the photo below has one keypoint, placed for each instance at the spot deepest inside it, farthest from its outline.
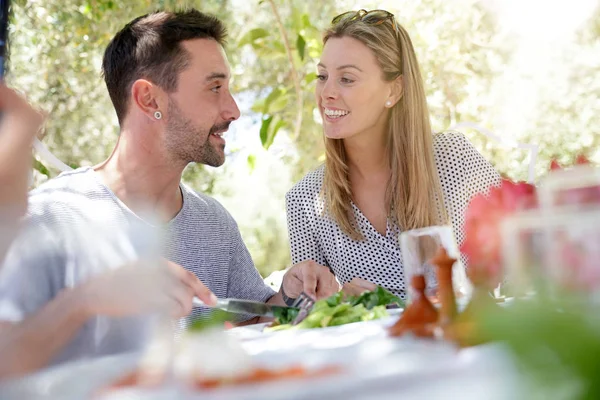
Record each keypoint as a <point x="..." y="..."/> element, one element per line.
<point x="146" y="98"/>
<point x="396" y="92"/>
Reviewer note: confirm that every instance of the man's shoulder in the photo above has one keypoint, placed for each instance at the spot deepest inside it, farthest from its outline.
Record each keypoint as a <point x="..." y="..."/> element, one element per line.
<point x="205" y="205"/>
<point x="309" y="186"/>
<point x="79" y="180"/>
<point x="65" y="194"/>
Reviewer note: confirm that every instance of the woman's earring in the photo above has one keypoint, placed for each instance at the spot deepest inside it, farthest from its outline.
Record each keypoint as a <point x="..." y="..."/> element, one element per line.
<point x="388" y="103"/>
<point x="157" y="114"/>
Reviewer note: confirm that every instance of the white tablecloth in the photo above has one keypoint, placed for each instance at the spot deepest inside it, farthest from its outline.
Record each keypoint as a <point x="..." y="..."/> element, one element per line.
<point x="372" y="364"/>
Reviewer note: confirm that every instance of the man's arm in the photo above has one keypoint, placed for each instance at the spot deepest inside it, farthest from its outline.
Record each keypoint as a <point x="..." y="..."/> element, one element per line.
<point x="31" y="344"/>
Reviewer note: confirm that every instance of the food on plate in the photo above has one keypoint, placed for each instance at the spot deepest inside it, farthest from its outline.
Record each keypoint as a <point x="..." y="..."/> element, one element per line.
<point x="259" y="375"/>
<point x="254" y="376"/>
<point x="206" y="357"/>
<point x="337" y="310"/>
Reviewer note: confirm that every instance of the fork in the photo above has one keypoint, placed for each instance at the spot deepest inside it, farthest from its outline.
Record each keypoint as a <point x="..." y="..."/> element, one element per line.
<point x="305" y="303"/>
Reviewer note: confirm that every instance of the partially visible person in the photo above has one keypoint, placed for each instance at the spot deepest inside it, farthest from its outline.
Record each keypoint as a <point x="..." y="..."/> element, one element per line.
<point x="136" y="295"/>
<point x="123" y="292"/>
<point x="385" y="171"/>
<point x="168" y="78"/>
<point x="19" y="123"/>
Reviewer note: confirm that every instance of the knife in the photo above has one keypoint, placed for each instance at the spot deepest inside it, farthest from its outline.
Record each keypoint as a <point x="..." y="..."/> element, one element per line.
<point x="239" y="306"/>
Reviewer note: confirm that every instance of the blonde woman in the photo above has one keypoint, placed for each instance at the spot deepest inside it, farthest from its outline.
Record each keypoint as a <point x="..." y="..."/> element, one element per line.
<point x="385" y="171"/>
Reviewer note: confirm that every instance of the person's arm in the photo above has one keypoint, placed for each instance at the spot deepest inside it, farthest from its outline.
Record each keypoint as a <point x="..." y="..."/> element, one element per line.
<point x="18" y="126"/>
<point x="31" y="344"/>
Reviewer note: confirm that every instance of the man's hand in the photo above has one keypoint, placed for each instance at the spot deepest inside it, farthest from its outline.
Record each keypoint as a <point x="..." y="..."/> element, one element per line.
<point x="357" y="286"/>
<point x="314" y="279"/>
<point x="138" y="288"/>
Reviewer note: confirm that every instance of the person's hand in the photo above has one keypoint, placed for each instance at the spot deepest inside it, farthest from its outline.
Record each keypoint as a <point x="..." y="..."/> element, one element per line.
<point x="139" y="288"/>
<point x="309" y="277"/>
<point x="19" y="123"/>
<point x="357" y="286"/>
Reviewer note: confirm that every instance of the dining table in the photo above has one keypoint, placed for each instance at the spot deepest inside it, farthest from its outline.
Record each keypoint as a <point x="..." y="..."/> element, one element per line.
<point x="369" y="364"/>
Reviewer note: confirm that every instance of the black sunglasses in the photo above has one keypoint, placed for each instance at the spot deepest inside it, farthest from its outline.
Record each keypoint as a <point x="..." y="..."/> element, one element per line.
<point x="373" y="17"/>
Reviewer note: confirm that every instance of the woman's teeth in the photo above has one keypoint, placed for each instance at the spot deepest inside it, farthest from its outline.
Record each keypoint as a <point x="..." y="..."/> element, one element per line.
<point x="336" y="113"/>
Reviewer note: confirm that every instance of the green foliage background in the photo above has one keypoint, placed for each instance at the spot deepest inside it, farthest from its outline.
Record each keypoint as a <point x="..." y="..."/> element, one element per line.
<point x="57" y="46"/>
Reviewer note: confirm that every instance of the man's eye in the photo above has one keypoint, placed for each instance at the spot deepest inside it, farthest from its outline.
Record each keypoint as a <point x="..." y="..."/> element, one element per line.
<point x="216" y="89"/>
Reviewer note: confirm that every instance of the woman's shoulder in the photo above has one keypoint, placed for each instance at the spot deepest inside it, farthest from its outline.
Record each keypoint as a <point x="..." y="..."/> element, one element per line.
<point x="450" y="143"/>
<point x="309" y="186"/>
<point x="452" y="149"/>
<point x="457" y="159"/>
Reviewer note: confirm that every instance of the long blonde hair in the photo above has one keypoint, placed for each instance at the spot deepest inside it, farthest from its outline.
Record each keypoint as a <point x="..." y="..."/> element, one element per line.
<point x="414" y="196"/>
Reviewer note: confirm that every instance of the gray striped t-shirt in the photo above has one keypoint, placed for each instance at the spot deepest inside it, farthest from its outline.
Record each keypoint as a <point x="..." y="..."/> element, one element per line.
<point x="78" y="228"/>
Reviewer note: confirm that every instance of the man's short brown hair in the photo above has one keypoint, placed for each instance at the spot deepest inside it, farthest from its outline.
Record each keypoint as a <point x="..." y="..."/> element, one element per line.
<point x="149" y="47"/>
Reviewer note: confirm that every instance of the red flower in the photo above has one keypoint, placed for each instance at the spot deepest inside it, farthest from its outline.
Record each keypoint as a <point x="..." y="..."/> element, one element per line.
<point x="482" y="243"/>
<point x="579" y="160"/>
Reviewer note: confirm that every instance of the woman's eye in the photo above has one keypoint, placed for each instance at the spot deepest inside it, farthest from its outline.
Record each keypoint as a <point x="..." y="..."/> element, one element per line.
<point x="347" y="80"/>
<point x="321" y="77"/>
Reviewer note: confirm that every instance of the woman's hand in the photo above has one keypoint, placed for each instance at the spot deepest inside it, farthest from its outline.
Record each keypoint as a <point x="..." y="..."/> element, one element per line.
<point x="357" y="286"/>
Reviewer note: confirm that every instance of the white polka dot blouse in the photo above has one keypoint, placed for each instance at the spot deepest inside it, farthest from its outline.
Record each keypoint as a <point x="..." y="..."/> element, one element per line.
<point x="314" y="236"/>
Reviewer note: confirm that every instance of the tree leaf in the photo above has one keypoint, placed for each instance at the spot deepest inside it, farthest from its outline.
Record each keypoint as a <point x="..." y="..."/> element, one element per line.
<point x="269" y="129"/>
<point x="306" y="21"/>
<point x="41" y="168"/>
<point x="272" y="102"/>
<point x="280" y="103"/>
<point x="280" y="123"/>
<point x="264" y="131"/>
<point x="300" y="46"/>
<point x="252" y="36"/>
<point x="311" y="76"/>
<point x="251" y="162"/>
<point x="258" y="106"/>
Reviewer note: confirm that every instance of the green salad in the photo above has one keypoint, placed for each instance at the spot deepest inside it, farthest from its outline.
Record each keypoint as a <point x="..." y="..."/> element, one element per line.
<point x="339" y="310"/>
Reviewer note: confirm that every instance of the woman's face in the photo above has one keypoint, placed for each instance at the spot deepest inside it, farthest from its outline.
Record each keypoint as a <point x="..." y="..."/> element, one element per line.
<point x="351" y="93"/>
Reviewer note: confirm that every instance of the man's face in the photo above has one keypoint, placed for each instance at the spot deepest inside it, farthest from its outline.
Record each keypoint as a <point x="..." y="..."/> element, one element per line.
<point x="201" y="109"/>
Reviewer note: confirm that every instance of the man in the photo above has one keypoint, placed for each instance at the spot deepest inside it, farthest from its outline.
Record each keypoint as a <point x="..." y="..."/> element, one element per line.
<point x="168" y="79"/>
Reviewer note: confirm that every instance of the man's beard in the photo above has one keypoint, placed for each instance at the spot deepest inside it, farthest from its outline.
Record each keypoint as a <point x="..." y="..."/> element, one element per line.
<point x="183" y="140"/>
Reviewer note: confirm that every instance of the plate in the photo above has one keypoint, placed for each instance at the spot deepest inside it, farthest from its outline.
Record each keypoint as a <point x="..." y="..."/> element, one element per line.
<point x="256" y="331"/>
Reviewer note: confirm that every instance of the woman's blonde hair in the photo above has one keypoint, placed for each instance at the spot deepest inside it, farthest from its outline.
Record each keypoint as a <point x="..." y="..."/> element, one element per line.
<point x="414" y="197"/>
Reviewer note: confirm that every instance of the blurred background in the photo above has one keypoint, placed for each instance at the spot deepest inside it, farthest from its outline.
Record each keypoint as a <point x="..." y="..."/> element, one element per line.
<point x="501" y="71"/>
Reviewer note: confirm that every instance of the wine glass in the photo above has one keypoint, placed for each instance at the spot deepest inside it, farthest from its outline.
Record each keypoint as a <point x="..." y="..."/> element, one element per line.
<point x="419" y="246"/>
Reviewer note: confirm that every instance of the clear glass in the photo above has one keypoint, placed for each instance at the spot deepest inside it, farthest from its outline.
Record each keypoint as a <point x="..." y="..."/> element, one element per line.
<point x="557" y="250"/>
<point x="576" y="186"/>
<point x="419" y="246"/>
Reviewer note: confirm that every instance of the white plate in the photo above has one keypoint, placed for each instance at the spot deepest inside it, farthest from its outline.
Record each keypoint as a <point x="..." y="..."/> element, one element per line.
<point x="256" y="331"/>
<point x="370" y="365"/>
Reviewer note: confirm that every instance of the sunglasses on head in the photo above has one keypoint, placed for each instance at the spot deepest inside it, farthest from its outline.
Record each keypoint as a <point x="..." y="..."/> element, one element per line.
<point x="373" y="17"/>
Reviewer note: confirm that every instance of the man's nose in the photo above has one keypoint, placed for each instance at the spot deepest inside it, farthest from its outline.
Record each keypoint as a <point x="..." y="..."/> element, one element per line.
<point x="231" y="112"/>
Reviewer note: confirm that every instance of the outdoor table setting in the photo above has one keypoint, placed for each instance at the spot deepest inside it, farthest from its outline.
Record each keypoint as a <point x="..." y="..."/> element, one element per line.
<point x="540" y="339"/>
<point x="366" y="361"/>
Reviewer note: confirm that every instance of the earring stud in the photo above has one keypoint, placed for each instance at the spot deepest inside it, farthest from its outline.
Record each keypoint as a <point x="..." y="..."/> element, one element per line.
<point x="157" y="114"/>
<point x="388" y="103"/>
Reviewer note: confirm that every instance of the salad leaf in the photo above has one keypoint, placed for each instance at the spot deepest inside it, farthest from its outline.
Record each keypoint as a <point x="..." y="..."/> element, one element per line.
<point x="337" y="310"/>
<point x="216" y="318"/>
<point x="377" y="297"/>
<point x="285" y="315"/>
